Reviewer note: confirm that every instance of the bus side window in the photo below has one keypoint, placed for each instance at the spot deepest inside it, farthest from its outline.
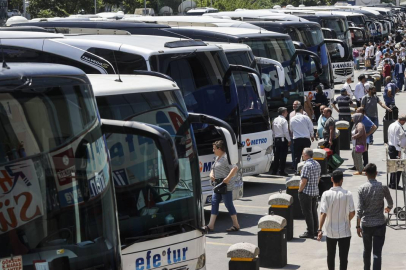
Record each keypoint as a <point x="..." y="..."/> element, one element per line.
<point x="125" y="62"/>
<point x="20" y="54"/>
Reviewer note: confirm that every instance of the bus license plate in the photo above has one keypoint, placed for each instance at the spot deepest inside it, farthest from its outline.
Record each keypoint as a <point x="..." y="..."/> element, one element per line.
<point x="249" y="169"/>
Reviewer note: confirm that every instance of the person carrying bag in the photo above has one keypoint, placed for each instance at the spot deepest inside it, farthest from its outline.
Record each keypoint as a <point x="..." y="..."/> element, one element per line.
<point x="359" y="142"/>
<point x="222" y="176"/>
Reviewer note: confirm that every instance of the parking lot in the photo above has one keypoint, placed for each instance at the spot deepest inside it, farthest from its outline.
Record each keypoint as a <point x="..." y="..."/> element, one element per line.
<point x="306" y="253"/>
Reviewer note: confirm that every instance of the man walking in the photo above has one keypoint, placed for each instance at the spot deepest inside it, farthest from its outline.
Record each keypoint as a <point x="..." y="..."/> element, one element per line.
<point x="281" y="142"/>
<point x="370" y="103"/>
<point x="371" y="223"/>
<point x="302" y="128"/>
<point x="395" y="135"/>
<point x="344" y="102"/>
<point x="400" y="73"/>
<point x="329" y="130"/>
<point x="370" y="128"/>
<point x="389" y="92"/>
<point x="359" y="91"/>
<point x="336" y="210"/>
<point x="296" y="104"/>
<point x="309" y="192"/>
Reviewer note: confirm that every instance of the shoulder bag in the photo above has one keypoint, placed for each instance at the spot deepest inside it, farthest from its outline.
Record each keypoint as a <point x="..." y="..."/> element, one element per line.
<point x="220" y="187"/>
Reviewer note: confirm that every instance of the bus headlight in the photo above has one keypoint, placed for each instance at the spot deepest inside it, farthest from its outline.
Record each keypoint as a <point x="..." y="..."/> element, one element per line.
<point x="269" y="150"/>
<point x="201" y="261"/>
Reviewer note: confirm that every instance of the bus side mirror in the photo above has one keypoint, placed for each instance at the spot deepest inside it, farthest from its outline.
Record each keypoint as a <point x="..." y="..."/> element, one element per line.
<point x="232" y="149"/>
<point x="259" y="86"/>
<point x="224" y="129"/>
<point x="341" y="50"/>
<point x="279" y="68"/>
<point x="161" y="138"/>
<point x="229" y="73"/>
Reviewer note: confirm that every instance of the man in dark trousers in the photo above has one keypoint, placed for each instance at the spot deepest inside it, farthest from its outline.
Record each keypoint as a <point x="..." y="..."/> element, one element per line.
<point x="336" y="211"/>
<point x="371" y="223"/>
<point x="309" y="193"/>
<point x="281" y="141"/>
<point x="395" y="135"/>
<point x="400" y="74"/>
<point x="302" y="128"/>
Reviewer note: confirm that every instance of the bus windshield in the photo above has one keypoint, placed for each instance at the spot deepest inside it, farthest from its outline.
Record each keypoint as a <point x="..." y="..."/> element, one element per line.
<point x="357" y="20"/>
<point x="282" y="51"/>
<point x="308" y="36"/>
<point x="199" y="75"/>
<point x="338" y="25"/>
<point x="254" y="112"/>
<point x="58" y="209"/>
<point x="146" y="208"/>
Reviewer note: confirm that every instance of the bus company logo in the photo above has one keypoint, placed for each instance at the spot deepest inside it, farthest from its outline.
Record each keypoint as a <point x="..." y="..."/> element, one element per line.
<point x="165" y="257"/>
<point x="249" y="142"/>
<point x="94" y="62"/>
<point x="205" y="166"/>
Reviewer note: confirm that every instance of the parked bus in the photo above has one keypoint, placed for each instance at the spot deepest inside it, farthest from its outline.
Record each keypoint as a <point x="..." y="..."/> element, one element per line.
<point x="154" y="220"/>
<point x="58" y="208"/>
<point x="338" y="26"/>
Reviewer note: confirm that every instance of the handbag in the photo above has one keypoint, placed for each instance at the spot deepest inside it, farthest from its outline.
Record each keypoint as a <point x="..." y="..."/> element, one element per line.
<point x="359" y="148"/>
<point x="220" y="187"/>
<point x="368" y="63"/>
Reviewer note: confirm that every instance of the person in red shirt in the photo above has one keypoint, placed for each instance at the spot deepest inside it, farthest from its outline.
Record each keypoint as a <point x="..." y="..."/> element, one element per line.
<point x="386" y="71"/>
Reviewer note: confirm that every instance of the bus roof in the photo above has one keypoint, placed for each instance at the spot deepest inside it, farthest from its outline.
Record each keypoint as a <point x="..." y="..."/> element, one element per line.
<point x="92" y="24"/>
<point x="188" y="20"/>
<point x="229" y="47"/>
<point x="268" y="14"/>
<point x="26" y="35"/>
<point x="107" y="85"/>
<point x="18" y="70"/>
<point x="305" y="24"/>
<point x="241" y="32"/>
<point x="144" y="44"/>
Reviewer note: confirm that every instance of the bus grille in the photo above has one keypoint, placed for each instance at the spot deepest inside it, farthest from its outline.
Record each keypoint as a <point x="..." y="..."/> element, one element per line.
<point x="343" y="71"/>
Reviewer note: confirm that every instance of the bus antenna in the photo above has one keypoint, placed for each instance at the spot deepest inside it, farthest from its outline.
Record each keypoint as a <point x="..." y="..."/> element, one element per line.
<point x="118" y="71"/>
<point x="4" y="59"/>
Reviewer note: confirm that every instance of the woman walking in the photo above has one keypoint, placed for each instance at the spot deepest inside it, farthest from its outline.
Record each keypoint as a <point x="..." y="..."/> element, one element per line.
<point x="223" y="172"/>
<point x="359" y="142"/>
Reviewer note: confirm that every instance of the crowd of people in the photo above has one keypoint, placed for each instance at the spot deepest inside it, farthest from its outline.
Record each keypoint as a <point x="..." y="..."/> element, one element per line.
<point x="295" y="130"/>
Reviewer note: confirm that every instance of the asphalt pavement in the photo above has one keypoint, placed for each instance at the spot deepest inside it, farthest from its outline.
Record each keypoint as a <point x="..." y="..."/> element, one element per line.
<point x="306" y="253"/>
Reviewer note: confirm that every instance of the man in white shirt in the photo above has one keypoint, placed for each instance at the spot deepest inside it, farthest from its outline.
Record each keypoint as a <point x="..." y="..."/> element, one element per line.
<point x="281" y="141"/>
<point x="359" y="91"/>
<point x="302" y="128"/>
<point x="395" y="135"/>
<point x="348" y="87"/>
<point x="336" y="210"/>
<point x="296" y="103"/>
<point x="378" y="56"/>
<point x="371" y="49"/>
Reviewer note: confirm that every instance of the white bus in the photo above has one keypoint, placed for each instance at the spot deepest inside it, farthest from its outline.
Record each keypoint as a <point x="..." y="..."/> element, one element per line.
<point x="198" y="69"/>
<point x="58" y="208"/>
<point x="158" y="227"/>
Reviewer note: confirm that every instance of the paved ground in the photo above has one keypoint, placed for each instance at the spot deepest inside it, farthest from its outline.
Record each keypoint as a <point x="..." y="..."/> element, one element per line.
<point x="305" y="254"/>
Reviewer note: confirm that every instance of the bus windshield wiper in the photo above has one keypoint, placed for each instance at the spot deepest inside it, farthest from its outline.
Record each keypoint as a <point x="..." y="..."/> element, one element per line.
<point x="131" y="240"/>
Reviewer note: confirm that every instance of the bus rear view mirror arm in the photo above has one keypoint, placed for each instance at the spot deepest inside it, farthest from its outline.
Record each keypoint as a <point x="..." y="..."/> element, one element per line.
<point x="161" y="138"/>
<point x="279" y="68"/>
<point x="344" y="50"/>
<point x="329" y="33"/>
<point x="313" y="56"/>
<point x="225" y="131"/>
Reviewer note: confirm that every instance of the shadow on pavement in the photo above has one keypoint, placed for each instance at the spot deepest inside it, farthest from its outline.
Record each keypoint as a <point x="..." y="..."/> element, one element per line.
<point x="258" y="188"/>
<point x="223" y="222"/>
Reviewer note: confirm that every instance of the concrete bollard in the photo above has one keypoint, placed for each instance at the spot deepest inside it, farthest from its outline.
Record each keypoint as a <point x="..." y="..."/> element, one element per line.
<point x="345" y="134"/>
<point x="325" y="183"/>
<point x="281" y="204"/>
<point x="244" y="256"/>
<point x="292" y="188"/>
<point x="300" y="167"/>
<point x="320" y="156"/>
<point x="272" y="242"/>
